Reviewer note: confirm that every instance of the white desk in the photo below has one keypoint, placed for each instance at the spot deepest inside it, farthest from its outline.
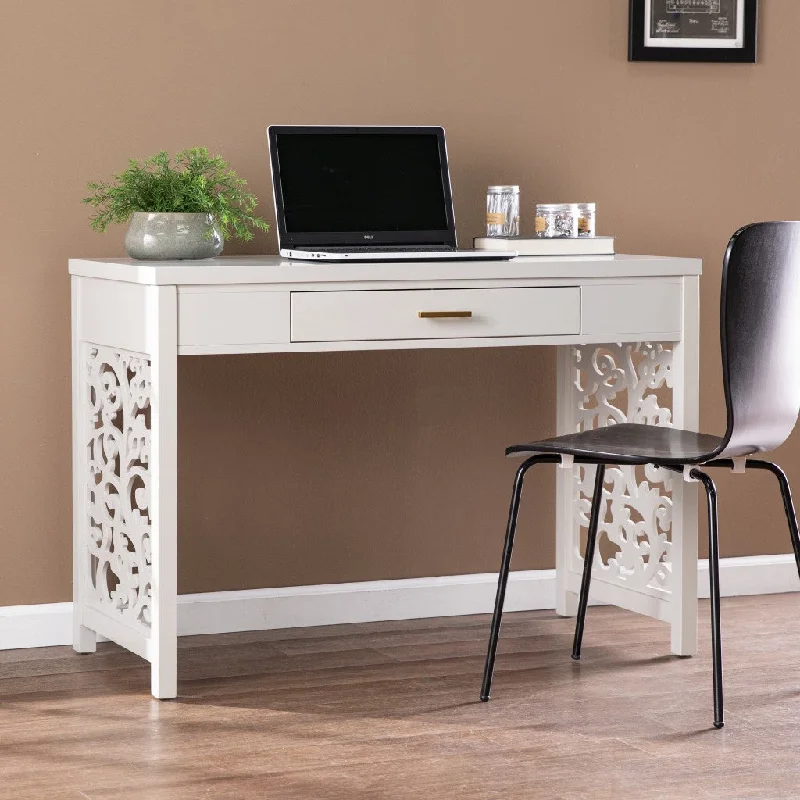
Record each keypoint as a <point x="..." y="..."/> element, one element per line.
<point x="131" y="320"/>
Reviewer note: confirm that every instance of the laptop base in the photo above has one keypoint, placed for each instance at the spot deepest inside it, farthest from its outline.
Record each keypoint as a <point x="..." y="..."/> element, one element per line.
<point x="397" y="255"/>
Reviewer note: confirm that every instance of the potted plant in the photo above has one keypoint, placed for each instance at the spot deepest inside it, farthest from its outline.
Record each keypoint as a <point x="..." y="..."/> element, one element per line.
<point x="178" y="209"/>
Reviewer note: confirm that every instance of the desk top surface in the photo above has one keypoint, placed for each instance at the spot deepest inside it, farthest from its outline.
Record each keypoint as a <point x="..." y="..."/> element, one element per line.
<point x="276" y="270"/>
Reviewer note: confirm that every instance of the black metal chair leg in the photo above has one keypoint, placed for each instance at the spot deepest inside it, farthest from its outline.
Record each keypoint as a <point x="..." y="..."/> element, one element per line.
<point x="713" y="577"/>
<point x="788" y="505"/>
<point x="588" y="559"/>
<point x="505" y="567"/>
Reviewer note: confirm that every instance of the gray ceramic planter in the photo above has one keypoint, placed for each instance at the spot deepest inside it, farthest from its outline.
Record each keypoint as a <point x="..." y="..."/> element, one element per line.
<point x="162" y="236"/>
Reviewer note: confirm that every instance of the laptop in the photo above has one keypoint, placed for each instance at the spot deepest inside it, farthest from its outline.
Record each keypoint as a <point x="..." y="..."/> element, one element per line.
<point x="364" y="194"/>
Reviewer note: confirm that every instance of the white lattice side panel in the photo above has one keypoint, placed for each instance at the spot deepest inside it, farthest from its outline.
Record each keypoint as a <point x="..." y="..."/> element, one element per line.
<point x="613" y="384"/>
<point x="116" y="541"/>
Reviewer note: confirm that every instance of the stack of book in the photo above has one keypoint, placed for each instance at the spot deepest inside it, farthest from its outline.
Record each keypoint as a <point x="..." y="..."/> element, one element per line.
<point x="534" y="246"/>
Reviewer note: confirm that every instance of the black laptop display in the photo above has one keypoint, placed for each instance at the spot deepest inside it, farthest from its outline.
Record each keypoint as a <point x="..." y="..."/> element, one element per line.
<point x="363" y="193"/>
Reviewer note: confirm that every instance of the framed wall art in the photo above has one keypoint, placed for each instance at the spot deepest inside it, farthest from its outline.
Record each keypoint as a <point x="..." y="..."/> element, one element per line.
<point x="693" y="30"/>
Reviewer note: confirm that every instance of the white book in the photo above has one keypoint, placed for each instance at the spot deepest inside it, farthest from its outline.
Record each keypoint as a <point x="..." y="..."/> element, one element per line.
<point x="534" y="246"/>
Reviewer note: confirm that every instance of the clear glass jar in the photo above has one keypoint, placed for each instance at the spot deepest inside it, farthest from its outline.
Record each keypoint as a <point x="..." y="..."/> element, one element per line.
<point x="502" y="211"/>
<point x="557" y="220"/>
<point x="587" y="219"/>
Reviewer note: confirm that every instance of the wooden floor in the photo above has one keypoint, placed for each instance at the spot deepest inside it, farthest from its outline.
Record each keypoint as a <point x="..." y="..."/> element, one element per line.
<point x="390" y="710"/>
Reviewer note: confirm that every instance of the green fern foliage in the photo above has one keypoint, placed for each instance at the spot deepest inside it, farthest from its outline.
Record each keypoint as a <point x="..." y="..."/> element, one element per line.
<point x="194" y="182"/>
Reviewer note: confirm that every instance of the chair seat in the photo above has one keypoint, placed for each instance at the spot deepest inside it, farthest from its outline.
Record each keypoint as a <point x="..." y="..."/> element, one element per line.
<point x="629" y="443"/>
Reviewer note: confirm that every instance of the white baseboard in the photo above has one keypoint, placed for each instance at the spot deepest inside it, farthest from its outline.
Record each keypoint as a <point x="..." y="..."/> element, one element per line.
<point x="748" y="575"/>
<point x="372" y="601"/>
<point x="42" y="625"/>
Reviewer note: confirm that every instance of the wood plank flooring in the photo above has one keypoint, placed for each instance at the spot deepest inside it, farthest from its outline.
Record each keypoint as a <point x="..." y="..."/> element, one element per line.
<point x="390" y="710"/>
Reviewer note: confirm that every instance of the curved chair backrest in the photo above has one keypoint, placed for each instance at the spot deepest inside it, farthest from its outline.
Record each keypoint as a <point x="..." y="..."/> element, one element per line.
<point x="760" y="333"/>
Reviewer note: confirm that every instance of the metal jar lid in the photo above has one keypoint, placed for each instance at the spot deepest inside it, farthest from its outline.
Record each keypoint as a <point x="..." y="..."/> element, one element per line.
<point x="554" y="208"/>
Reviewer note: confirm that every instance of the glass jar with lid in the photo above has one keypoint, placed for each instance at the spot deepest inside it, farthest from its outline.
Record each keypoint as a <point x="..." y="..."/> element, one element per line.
<point x="502" y="211"/>
<point x="587" y="219"/>
<point x="557" y="220"/>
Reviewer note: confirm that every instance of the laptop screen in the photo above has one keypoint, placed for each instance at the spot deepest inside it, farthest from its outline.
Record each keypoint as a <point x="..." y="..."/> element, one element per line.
<point x="362" y="186"/>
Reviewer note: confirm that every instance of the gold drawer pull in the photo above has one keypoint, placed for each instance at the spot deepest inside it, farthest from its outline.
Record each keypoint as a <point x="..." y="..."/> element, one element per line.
<point x="444" y="314"/>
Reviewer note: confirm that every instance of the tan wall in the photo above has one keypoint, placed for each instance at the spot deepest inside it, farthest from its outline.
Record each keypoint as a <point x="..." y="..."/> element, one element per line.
<point x="324" y="468"/>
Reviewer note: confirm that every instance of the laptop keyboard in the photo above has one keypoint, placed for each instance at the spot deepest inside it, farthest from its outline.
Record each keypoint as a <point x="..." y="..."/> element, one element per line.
<point x="428" y="248"/>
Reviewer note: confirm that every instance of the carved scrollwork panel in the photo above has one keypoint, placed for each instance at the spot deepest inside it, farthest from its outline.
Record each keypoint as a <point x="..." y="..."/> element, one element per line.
<point x="613" y="384"/>
<point x="116" y="545"/>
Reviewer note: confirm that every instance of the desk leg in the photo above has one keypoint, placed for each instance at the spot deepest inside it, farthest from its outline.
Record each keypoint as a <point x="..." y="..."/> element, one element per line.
<point x="163" y="348"/>
<point x="84" y="640"/>
<point x="646" y="560"/>
<point x="125" y="472"/>
<point x="686" y="414"/>
<point x="567" y="553"/>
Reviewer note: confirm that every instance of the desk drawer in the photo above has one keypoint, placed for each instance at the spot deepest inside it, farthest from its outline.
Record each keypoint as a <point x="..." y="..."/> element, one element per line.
<point x="372" y="315"/>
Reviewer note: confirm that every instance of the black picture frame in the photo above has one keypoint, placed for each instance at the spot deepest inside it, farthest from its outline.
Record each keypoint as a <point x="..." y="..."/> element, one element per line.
<point x="639" y="51"/>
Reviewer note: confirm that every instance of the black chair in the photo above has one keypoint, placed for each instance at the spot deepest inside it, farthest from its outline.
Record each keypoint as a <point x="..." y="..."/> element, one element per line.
<point x="760" y="336"/>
